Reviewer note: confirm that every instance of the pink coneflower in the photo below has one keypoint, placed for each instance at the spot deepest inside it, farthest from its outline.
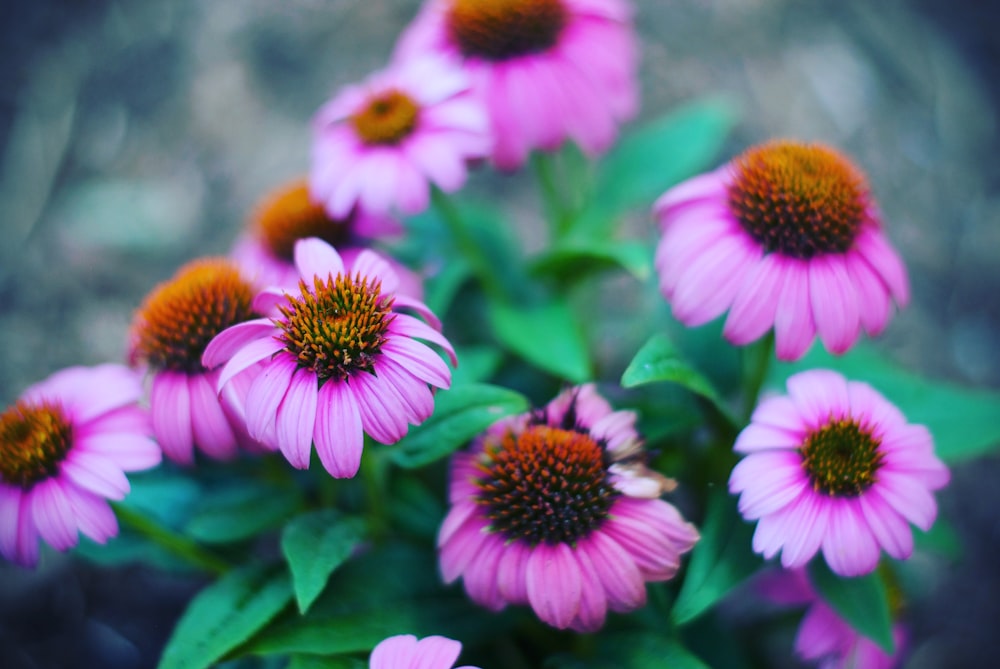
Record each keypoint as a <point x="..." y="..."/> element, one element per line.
<point x="405" y="652"/>
<point x="64" y="448"/>
<point x="834" y="465"/>
<point x="378" y="145"/>
<point x="825" y="636"/>
<point x="265" y="252"/>
<point x="338" y="360"/>
<point x="785" y="236"/>
<point x="169" y="334"/>
<point x="546" y="70"/>
<point x="558" y="510"/>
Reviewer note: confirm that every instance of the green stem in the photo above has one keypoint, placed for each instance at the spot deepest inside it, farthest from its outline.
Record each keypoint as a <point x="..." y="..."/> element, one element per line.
<point x="556" y="212"/>
<point x="174" y="543"/>
<point x="375" y="475"/>
<point x="467" y="245"/>
<point x="756" y="361"/>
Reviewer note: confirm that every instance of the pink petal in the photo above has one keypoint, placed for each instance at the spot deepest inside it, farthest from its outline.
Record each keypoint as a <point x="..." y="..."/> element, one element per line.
<point x="53" y="515"/>
<point x="834" y="303"/>
<point x="872" y="409"/>
<point x="171" y="409"/>
<point x="269" y="299"/>
<point x="756" y="302"/>
<point x="617" y="572"/>
<point x="11" y="501"/>
<point x="95" y="473"/>
<point x="805" y="522"/>
<point x="93" y="515"/>
<point x="407" y="302"/>
<point x="794" y="327"/>
<point x="554" y="584"/>
<point x="480" y="575"/>
<point x="338" y="432"/>
<point x="88" y="392"/>
<point x="249" y="355"/>
<point x="512" y="573"/>
<point x="593" y="599"/>
<point x="296" y="417"/>
<point x="709" y="286"/>
<point x="768" y="481"/>
<point x="873" y="245"/>
<point x="890" y="529"/>
<point x="208" y="422"/>
<point x="412" y="393"/>
<point x="709" y="186"/>
<point x="849" y="546"/>
<point x="381" y="414"/>
<point x="228" y="342"/>
<point x="314" y="257"/>
<point x="908" y="497"/>
<point x="755" y="438"/>
<point x="396" y="652"/>
<point x="265" y="397"/>
<point x="433" y="652"/>
<point x="129" y="452"/>
<point x="373" y="266"/>
<point x="460" y="549"/>
<point x="438" y="371"/>
<point x="459" y="514"/>
<point x="873" y="295"/>
<point x="820" y="395"/>
<point x="820" y="634"/>
<point x="780" y="412"/>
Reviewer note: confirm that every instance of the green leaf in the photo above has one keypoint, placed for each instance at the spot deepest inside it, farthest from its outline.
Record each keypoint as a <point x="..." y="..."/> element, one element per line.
<point x="314" y="545"/>
<point x="941" y="539"/>
<point x="642" y="650"/>
<point x="862" y="602"/>
<point x="460" y="413"/>
<point x="475" y="364"/>
<point x="235" y="514"/>
<point x="226" y="614"/>
<point x="721" y="560"/>
<point x="659" y="360"/>
<point x="648" y="161"/>
<point x="324" y="662"/>
<point x="573" y="256"/>
<point x="965" y="422"/>
<point x="546" y="335"/>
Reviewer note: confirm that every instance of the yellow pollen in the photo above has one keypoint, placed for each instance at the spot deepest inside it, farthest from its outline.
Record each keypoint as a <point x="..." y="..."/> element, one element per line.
<point x="841" y="458"/>
<point x="34" y="439"/>
<point x="180" y="316"/>
<point x="288" y="214"/>
<point x="799" y="200"/>
<point x="337" y="328"/>
<point x="388" y="119"/>
<point x="502" y="29"/>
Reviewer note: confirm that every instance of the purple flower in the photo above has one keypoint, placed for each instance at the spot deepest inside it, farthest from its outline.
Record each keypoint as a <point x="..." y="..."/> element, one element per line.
<point x="558" y="510"/>
<point x="546" y="70"/>
<point x="65" y="446"/>
<point x="335" y="361"/>
<point x="405" y="652"/>
<point x="833" y="465"/>
<point x="786" y="236"/>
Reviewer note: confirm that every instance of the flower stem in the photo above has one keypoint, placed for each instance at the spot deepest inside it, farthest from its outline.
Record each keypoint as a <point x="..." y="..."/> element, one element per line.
<point x="174" y="543"/>
<point x="756" y="361"/>
<point x="468" y="245"/>
<point x="556" y="212"/>
<point x="375" y="475"/>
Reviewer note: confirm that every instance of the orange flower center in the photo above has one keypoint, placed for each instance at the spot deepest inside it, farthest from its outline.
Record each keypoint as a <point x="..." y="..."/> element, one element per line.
<point x="798" y="200"/>
<point x="501" y="29"/>
<point x="337" y="329"/>
<point x="33" y="441"/>
<point x="177" y="320"/>
<point x="841" y="458"/>
<point x="545" y="484"/>
<point x="388" y="118"/>
<point x="288" y="215"/>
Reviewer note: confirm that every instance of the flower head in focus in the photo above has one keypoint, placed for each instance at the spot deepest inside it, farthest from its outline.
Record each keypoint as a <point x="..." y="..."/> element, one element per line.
<point x="337" y="360"/>
<point x="556" y="509"/>
<point x="65" y="446"/>
<point x="379" y="145"/>
<point x="169" y="333"/>
<point x="823" y="635"/>
<point x="406" y="652"/>
<point x="786" y="236"/>
<point x="833" y="465"/>
<point x="265" y="252"/>
<point x="546" y="70"/>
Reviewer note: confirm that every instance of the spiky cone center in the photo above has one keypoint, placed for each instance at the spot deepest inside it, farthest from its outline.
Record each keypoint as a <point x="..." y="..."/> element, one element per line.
<point x="337" y="327"/>
<point x="289" y="214"/>
<point x="388" y="118"/>
<point x="34" y="439"/>
<point x="545" y="484"/>
<point x="798" y="200"/>
<point x="841" y="458"/>
<point x="498" y="30"/>
<point x="181" y="316"/>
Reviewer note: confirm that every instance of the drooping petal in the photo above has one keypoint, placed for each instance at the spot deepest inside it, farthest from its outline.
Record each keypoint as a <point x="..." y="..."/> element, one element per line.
<point x="296" y="416"/>
<point x="265" y="397"/>
<point x="170" y="405"/>
<point x="339" y="435"/>
<point x="228" y="342"/>
<point x="554" y="584"/>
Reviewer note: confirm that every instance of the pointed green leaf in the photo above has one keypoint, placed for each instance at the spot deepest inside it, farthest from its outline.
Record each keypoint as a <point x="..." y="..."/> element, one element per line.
<point x="665" y="151"/>
<point x="326" y="662"/>
<point x="236" y="514"/>
<point x="460" y="413"/>
<point x="314" y="545"/>
<point x="546" y="335"/>
<point x="720" y="561"/>
<point x="226" y="614"/>
<point x="574" y="256"/>
<point x="862" y="602"/>
<point x="965" y="422"/>
<point x="641" y="650"/>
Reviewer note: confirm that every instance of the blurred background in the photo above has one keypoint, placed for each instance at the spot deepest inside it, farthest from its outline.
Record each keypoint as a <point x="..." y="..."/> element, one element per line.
<point x="135" y="136"/>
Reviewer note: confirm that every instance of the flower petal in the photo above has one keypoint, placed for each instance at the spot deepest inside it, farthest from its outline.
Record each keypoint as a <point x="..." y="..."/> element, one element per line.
<point x="296" y="417"/>
<point x="554" y="584"/>
<point x="170" y="405"/>
<point x="338" y="432"/>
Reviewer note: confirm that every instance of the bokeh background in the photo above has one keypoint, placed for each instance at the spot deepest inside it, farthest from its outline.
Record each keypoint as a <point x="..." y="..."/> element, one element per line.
<point x="135" y="136"/>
